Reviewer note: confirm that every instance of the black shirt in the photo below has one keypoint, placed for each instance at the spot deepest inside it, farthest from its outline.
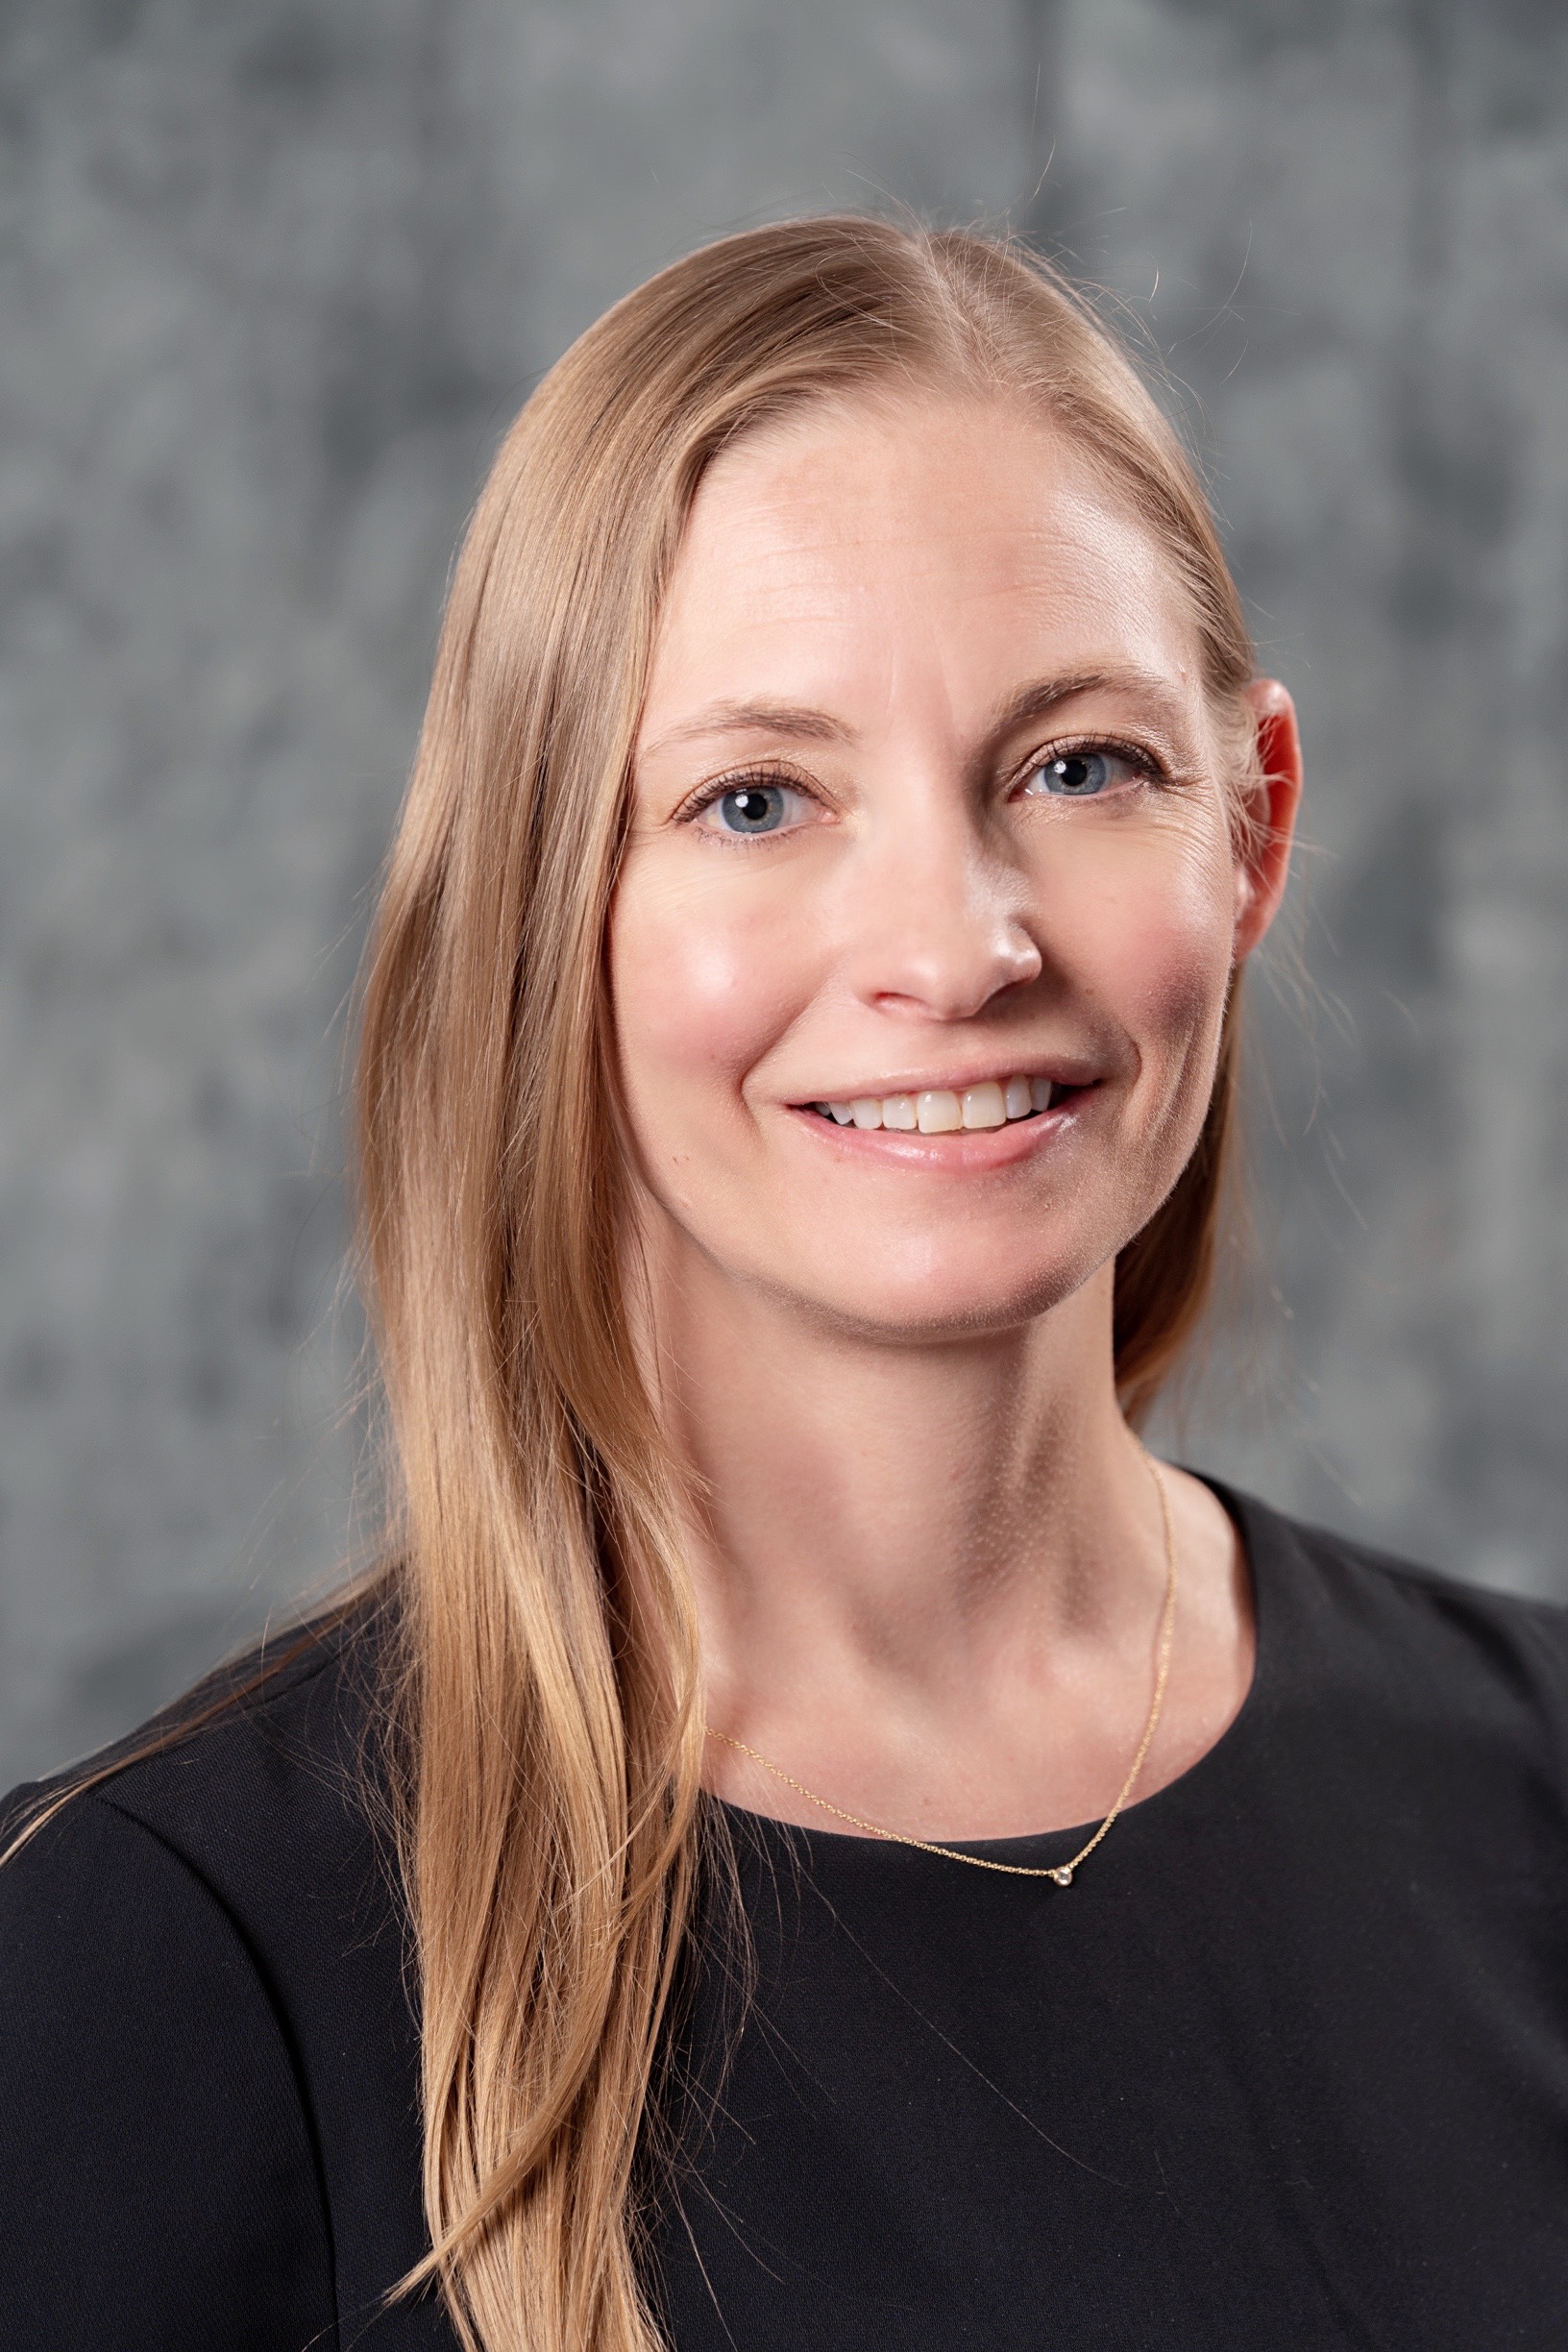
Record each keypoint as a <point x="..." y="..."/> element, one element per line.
<point x="1287" y="2065"/>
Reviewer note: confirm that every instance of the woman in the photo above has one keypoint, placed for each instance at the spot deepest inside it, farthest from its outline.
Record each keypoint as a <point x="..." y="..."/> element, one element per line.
<point x="872" y="1858"/>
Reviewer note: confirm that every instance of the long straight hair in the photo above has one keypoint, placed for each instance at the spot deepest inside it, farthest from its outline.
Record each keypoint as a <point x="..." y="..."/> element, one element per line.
<point x="548" y="1697"/>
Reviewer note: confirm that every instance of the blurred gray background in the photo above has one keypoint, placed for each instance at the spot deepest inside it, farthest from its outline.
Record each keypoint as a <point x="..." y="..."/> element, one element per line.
<point x="275" y="273"/>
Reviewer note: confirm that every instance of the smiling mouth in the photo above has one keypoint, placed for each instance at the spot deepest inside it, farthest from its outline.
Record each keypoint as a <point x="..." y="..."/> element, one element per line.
<point x="942" y="1110"/>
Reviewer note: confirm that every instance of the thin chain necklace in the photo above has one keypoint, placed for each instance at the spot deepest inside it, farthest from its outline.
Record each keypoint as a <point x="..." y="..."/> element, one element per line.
<point x="1062" y="1873"/>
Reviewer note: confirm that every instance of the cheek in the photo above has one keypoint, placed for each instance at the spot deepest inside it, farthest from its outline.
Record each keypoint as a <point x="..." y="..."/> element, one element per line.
<point x="1176" y="977"/>
<point x="1170" y="938"/>
<point x="698" y="988"/>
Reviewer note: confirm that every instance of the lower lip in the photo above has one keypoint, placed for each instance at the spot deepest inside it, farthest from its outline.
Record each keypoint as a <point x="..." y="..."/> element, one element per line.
<point x="963" y="1151"/>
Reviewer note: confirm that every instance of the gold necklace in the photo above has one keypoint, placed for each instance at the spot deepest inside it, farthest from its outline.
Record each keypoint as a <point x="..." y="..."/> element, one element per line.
<point x="1060" y="1873"/>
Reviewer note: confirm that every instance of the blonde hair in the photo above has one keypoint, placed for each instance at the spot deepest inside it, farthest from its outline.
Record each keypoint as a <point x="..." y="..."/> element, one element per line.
<point x="550" y="1696"/>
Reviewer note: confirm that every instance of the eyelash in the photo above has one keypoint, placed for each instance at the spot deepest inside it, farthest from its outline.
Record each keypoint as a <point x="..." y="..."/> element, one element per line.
<point x="706" y="794"/>
<point x="1137" y="755"/>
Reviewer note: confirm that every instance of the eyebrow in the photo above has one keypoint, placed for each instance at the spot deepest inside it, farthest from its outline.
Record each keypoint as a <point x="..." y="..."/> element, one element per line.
<point x="1045" y="694"/>
<point x="799" y="724"/>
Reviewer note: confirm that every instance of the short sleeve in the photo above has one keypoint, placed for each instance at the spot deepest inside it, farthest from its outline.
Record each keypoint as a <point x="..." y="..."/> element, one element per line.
<point x="159" y="2191"/>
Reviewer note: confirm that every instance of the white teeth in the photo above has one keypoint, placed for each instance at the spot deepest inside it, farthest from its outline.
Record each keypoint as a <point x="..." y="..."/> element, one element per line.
<point x="940" y="1111"/>
<point x="984" y="1105"/>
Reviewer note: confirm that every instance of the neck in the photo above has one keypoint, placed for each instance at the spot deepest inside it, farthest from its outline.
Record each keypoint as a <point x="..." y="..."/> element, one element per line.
<point x="891" y="1527"/>
<point x="929" y="1576"/>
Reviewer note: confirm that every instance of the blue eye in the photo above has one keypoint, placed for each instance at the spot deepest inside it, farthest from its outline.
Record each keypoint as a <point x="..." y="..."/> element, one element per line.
<point x="752" y="808"/>
<point x="1075" y="775"/>
<point x="749" y="809"/>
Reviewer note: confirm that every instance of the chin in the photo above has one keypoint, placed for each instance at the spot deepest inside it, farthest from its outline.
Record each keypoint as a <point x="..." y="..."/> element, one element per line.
<point x="943" y="1301"/>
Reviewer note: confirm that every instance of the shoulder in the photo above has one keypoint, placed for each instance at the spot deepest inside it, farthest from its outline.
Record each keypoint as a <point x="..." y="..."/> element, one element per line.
<point x="1405" y="1640"/>
<point x="260" y="1782"/>
<point x="182" y="1945"/>
<point x="150" y="2129"/>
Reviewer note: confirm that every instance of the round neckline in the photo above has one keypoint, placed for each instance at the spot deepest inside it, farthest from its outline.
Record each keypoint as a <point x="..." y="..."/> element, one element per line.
<point x="1246" y="1516"/>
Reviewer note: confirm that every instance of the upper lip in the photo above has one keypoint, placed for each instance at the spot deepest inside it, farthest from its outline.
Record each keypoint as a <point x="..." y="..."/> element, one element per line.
<point x="1064" y="1070"/>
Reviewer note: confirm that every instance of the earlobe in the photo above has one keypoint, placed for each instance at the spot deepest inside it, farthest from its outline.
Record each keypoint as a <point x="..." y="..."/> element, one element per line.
<point x="1264" y="865"/>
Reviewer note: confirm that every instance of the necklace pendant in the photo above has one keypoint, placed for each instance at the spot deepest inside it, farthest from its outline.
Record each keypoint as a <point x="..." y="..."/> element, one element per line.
<point x="1062" y="1875"/>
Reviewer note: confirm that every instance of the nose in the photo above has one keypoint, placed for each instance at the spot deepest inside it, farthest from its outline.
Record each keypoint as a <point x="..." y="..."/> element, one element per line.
<point x="937" y="918"/>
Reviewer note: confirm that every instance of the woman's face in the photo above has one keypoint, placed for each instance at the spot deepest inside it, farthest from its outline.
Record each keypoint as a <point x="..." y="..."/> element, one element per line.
<point x="920" y="946"/>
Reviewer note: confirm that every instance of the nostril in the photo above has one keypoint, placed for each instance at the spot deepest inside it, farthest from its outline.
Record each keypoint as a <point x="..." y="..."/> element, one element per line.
<point x="946" y="950"/>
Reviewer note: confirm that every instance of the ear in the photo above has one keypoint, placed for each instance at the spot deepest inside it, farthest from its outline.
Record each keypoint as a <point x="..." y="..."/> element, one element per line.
<point x="1261" y="872"/>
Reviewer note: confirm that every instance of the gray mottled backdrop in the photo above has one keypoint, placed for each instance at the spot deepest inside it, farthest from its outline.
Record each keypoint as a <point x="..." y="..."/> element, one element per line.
<point x="274" y="275"/>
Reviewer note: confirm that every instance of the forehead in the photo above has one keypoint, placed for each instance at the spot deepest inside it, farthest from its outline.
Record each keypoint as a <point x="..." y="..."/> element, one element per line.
<point x="924" y="554"/>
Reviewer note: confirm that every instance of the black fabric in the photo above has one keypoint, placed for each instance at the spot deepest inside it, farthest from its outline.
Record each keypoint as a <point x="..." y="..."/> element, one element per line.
<point x="1286" y="2066"/>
